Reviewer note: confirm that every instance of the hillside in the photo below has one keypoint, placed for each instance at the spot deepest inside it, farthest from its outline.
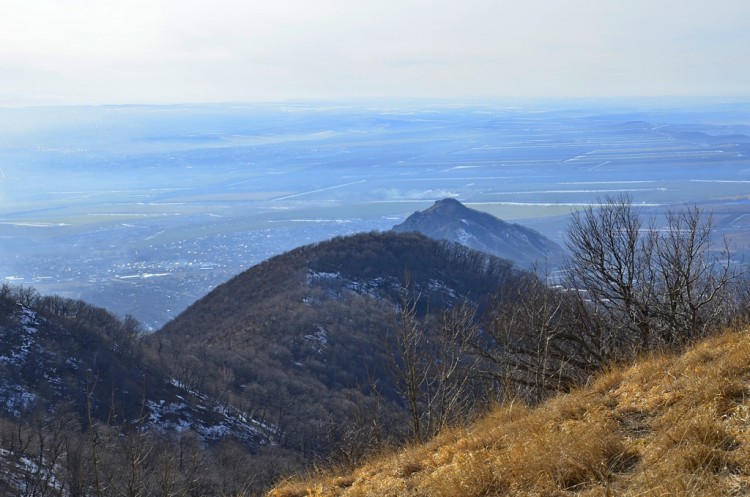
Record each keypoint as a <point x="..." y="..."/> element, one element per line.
<point x="449" y="219"/>
<point x="667" y="425"/>
<point x="332" y="353"/>
<point x="81" y="394"/>
<point x="300" y="341"/>
<point x="294" y="362"/>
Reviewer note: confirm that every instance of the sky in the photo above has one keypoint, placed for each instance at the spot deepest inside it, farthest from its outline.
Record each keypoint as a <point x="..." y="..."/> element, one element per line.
<point x="181" y="51"/>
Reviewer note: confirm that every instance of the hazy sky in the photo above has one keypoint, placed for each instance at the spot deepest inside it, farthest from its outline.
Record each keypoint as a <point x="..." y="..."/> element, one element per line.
<point x="165" y="51"/>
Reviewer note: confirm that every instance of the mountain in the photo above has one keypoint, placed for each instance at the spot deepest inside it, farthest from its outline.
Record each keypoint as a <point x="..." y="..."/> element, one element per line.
<point x="449" y="219"/>
<point x="288" y="364"/>
<point x="300" y="340"/>
<point x="331" y="353"/>
<point x="666" y="425"/>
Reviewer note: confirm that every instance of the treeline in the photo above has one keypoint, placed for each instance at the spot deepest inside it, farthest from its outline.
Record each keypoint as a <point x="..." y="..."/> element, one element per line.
<point x="442" y="272"/>
<point x="391" y="254"/>
<point x="77" y="342"/>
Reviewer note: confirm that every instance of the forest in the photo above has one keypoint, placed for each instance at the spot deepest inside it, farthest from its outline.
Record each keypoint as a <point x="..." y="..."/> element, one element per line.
<point x="337" y="351"/>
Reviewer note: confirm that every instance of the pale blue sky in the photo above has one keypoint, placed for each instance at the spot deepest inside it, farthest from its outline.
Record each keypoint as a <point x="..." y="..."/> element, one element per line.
<point x="168" y="51"/>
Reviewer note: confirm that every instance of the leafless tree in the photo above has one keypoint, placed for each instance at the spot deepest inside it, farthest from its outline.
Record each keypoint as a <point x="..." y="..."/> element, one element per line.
<point x="27" y="296"/>
<point x="611" y="261"/>
<point x="432" y="364"/>
<point x="693" y="282"/>
<point x="455" y="394"/>
<point x="536" y="341"/>
<point x="654" y="286"/>
<point x="408" y="362"/>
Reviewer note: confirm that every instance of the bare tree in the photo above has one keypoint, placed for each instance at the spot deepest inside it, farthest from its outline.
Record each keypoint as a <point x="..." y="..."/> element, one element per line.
<point x="536" y="341"/>
<point x="611" y="261"/>
<point x="432" y="364"/>
<point x="652" y="285"/>
<point x="741" y="301"/>
<point x="454" y="395"/>
<point x="27" y="296"/>
<point x="409" y="362"/>
<point x="42" y="438"/>
<point x="693" y="282"/>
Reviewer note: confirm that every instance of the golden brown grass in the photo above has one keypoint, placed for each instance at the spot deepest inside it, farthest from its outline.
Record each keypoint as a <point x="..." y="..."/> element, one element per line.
<point x="666" y="426"/>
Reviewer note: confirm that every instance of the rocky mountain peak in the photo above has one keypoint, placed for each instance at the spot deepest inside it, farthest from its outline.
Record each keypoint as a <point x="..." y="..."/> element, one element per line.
<point x="449" y="219"/>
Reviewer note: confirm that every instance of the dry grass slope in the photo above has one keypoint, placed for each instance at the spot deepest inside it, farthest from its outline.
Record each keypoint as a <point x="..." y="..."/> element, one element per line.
<point x="666" y="426"/>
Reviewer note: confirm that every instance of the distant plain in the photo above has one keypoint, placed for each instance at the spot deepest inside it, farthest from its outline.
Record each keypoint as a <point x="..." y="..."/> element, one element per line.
<point x="142" y="210"/>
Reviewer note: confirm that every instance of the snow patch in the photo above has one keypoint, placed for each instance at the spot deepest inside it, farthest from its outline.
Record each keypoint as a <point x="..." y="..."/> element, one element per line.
<point x="202" y="418"/>
<point x="372" y="287"/>
<point x="28" y="320"/>
<point x="182" y="386"/>
<point x="16" y="399"/>
<point x="314" y="276"/>
<point x="464" y="237"/>
<point x="319" y="339"/>
<point x="215" y="432"/>
<point x="439" y="286"/>
<point x="169" y="416"/>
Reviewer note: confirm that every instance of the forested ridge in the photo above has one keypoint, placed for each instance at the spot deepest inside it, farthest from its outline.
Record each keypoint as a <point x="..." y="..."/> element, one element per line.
<point x="334" y="352"/>
<point x="284" y="366"/>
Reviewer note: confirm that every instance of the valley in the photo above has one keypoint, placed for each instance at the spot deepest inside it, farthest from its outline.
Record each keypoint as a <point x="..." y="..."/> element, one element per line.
<point x="143" y="210"/>
<point x="293" y="316"/>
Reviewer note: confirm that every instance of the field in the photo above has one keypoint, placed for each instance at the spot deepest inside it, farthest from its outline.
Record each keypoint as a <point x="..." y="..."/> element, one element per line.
<point x="144" y="209"/>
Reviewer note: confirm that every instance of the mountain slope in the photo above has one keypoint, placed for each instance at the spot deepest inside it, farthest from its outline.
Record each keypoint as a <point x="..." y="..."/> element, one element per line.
<point x="300" y="340"/>
<point x="676" y="425"/>
<point x="58" y="352"/>
<point x="449" y="219"/>
<point x="81" y="394"/>
<point x="281" y="367"/>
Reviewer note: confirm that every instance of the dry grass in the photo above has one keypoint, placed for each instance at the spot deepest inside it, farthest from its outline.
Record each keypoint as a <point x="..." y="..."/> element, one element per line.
<point x="666" y="426"/>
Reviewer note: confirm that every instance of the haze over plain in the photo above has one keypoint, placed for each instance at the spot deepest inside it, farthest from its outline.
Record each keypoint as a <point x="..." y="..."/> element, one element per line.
<point x="520" y="109"/>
